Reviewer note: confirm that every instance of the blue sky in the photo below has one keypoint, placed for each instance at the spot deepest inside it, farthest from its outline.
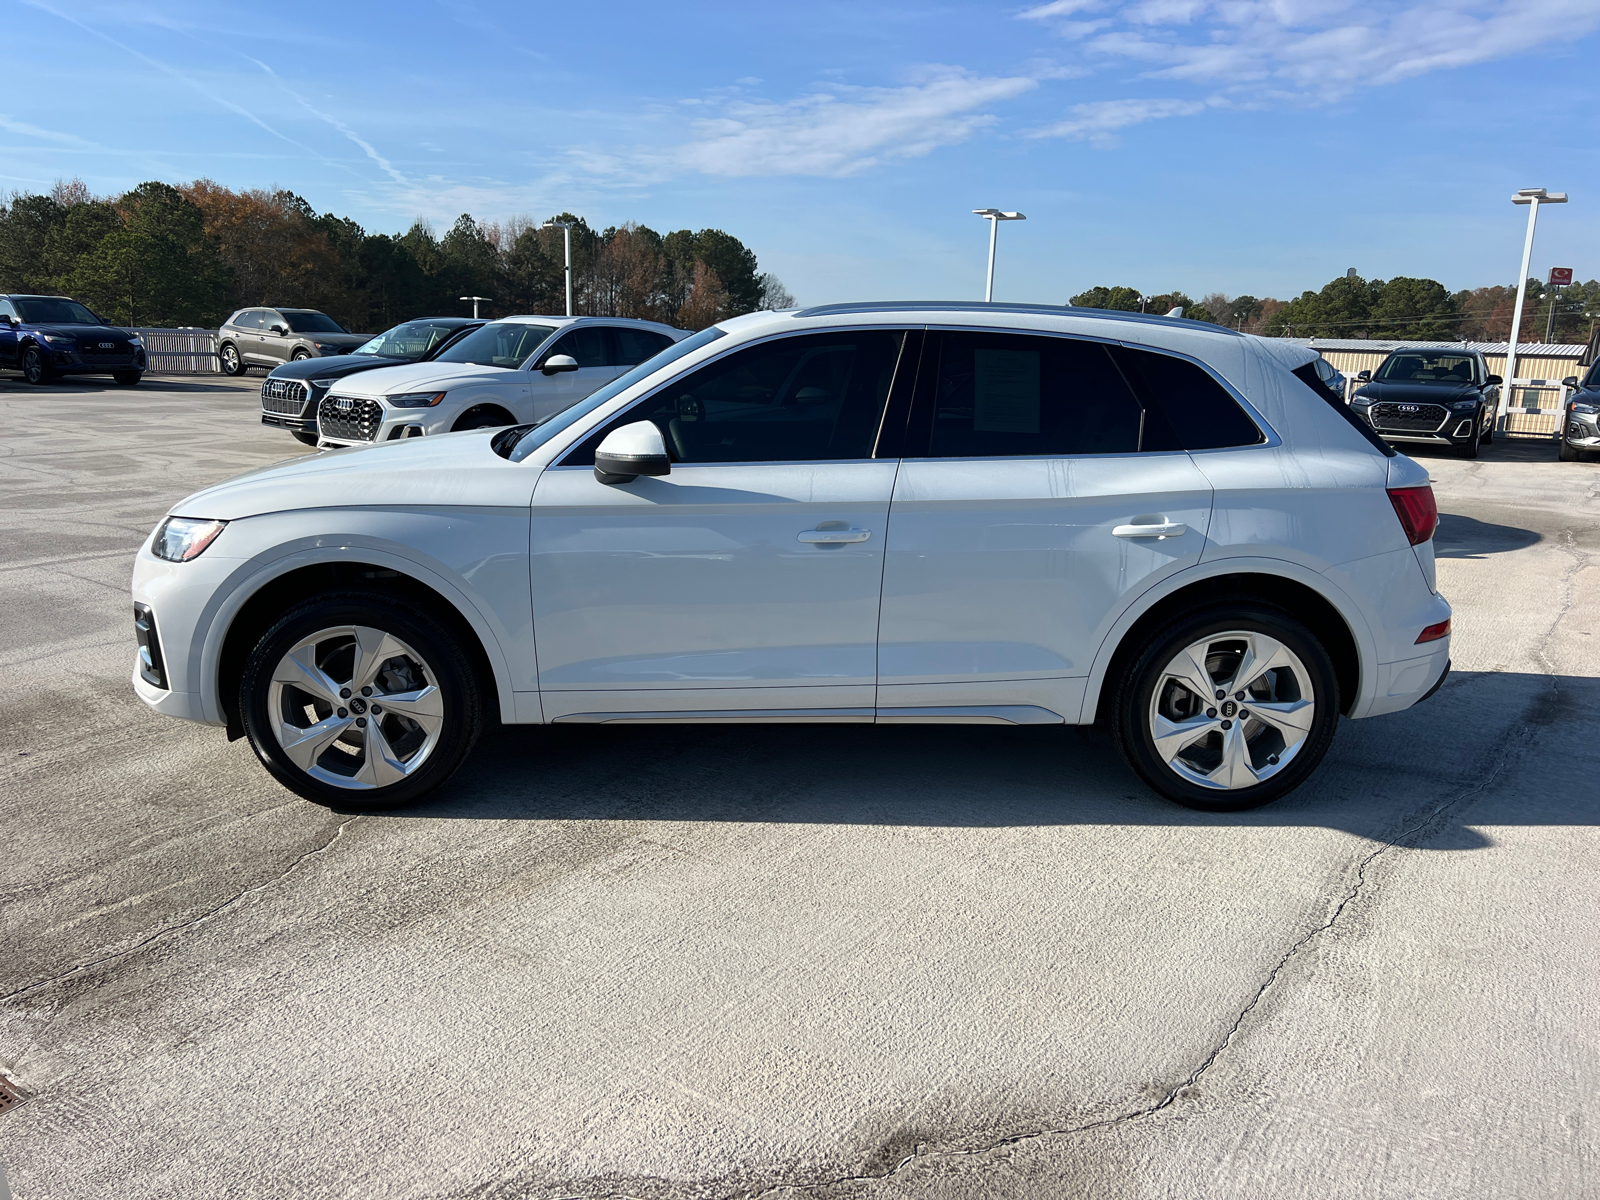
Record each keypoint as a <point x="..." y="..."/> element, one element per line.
<point x="1257" y="146"/>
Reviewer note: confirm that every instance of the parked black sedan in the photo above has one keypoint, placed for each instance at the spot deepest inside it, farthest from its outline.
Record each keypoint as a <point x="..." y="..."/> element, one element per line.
<point x="46" y="337"/>
<point x="1580" y="422"/>
<point x="291" y="393"/>
<point x="1435" y="397"/>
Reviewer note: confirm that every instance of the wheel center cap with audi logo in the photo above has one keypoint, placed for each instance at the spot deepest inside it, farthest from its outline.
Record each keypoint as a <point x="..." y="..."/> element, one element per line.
<point x="1229" y="708"/>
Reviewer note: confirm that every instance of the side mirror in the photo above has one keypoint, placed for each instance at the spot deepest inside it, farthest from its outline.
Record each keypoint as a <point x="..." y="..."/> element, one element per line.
<point x="1492" y="380"/>
<point x="1571" y="381"/>
<point x="625" y="454"/>
<point x="1363" y="376"/>
<point x="6" y="319"/>
<point x="280" y="331"/>
<point x="558" y="363"/>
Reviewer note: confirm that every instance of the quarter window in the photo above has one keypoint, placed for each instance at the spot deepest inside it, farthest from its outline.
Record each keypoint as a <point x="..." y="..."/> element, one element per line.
<point x="810" y="398"/>
<point x="1186" y="400"/>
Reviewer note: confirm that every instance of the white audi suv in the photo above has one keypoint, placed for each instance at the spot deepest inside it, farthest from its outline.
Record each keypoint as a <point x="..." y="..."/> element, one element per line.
<point x="514" y="369"/>
<point x="877" y="513"/>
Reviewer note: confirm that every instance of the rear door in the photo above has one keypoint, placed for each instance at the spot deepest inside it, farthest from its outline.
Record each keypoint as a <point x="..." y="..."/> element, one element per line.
<point x="1039" y="494"/>
<point x="745" y="581"/>
<point x="8" y="335"/>
<point x="248" y="339"/>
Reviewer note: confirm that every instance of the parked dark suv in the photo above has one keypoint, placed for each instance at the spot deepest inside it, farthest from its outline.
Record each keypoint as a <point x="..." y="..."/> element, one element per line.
<point x="45" y="337"/>
<point x="291" y="393"/>
<point x="1435" y="397"/>
<point x="265" y="337"/>
<point x="1580" y="422"/>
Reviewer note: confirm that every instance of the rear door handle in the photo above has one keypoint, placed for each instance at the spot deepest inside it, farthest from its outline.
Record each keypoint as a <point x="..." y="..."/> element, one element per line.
<point x="1148" y="528"/>
<point x="834" y="537"/>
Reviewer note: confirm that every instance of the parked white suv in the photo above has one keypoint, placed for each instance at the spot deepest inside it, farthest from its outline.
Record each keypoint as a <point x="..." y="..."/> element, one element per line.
<point x="852" y="514"/>
<point x="515" y="369"/>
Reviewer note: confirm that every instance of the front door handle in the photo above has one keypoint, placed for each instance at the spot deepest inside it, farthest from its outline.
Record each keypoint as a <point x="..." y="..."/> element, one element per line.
<point x="834" y="537"/>
<point x="1151" y="527"/>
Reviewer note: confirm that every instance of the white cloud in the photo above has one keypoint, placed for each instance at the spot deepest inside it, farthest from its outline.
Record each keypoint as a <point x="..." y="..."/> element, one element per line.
<point x="834" y="131"/>
<point x="1098" y="121"/>
<point x="1056" y="8"/>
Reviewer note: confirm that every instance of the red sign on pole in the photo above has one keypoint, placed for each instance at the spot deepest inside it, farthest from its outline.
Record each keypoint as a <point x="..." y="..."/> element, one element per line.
<point x="1560" y="277"/>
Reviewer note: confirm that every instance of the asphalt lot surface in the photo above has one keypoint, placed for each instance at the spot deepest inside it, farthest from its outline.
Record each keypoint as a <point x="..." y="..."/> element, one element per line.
<point x="719" y="961"/>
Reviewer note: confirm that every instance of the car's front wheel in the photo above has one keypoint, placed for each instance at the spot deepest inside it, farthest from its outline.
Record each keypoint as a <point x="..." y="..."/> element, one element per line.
<point x="301" y="355"/>
<point x="34" y="368"/>
<point x="1565" y="451"/>
<point x="1228" y="708"/>
<point x="356" y="702"/>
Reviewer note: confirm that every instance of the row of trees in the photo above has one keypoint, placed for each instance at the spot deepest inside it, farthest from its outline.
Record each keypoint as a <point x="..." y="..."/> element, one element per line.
<point x="190" y="255"/>
<point x="1402" y="308"/>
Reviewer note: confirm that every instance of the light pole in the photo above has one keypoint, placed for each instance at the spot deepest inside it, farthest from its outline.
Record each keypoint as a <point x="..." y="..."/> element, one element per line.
<point x="1532" y="197"/>
<point x="475" y="300"/>
<point x="566" y="229"/>
<point x="994" y="216"/>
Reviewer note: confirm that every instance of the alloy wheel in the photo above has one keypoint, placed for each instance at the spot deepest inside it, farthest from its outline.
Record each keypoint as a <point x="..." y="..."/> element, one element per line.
<point x="1232" y="710"/>
<point x="355" y="707"/>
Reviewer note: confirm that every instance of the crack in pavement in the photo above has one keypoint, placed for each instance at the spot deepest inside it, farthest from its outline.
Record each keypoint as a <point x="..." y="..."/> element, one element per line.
<point x="1506" y="749"/>
<point x="160" y="934"/>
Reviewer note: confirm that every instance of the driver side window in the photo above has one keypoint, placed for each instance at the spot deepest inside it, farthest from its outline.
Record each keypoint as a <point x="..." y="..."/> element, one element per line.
<point x="812" y="398"/>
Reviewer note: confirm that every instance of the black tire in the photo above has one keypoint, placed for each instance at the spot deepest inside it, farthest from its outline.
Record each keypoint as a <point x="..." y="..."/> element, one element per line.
<point x="1566" y="452"/>
<point x="305" y="439"/>
<point x="1134" y="705"/>
<point x="483" y="418"/>
<point x="300" y="356"/>
<point x="34" y="368"/>
<point x="228" y="356"/>
<point x="128" y="378"/>
<point x="1468" y="448"/>
<point x="444" y="663"/>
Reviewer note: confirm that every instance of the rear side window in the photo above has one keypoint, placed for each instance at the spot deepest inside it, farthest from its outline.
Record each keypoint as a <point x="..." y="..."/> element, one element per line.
<point x="630" y="347"/>
<point x="1198" y="409"/>
<point x="250" y="319"/>
<point x="997" y="395"/>
<point x="587" y="344"/>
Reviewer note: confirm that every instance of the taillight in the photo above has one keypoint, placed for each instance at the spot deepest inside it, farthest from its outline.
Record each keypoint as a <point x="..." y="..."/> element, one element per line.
<point x="1417" y="510"/>
<point x="1434" y="632"/>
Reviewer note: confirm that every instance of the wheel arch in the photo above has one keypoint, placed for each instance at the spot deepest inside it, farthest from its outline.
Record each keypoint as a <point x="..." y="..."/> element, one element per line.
<point x="487" y="407"/>
<point x="263" y="600"/>
<point x="1328" y="614"/>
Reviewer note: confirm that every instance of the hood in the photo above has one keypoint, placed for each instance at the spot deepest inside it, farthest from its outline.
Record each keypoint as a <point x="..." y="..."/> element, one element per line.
<point x="452" y="470"/>
<point x="417" y="377"/>
<point x="348" y="340"/>
<point x="86" y="333"/>
<point x="332" y="366"/>
<point x="1418" y="393"/>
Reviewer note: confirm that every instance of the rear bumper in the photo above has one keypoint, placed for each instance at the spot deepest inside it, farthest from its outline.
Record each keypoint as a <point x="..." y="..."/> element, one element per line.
<point x="1411" y="680"/>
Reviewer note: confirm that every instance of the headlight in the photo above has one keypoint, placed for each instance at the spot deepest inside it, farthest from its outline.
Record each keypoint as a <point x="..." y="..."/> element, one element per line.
<point x="135" y="340"/>
<point x="323" y="384"/>
<point x="325" y="348"/>
<point x="56" y="339"/>
<point x="1587" y="410"/>
<point x="1463" y="405"/>
<point x="179" y="539"/>
<point x="415" y="400"/>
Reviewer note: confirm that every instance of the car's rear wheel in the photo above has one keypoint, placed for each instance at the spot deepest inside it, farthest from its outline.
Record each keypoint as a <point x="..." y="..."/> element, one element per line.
<point x="304" y="438"/>
<point x="228" y="356"/>
<point x="34" y="368"/>
<point x="1228" y="708"/>
<point x="356" y="702"/>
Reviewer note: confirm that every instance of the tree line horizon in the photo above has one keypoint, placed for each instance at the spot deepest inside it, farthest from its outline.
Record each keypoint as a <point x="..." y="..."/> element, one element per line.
<point x="191" y="254"/>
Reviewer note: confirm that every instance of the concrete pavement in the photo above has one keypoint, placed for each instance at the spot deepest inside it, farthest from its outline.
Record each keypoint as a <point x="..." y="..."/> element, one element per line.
<point x="727" y="961"/>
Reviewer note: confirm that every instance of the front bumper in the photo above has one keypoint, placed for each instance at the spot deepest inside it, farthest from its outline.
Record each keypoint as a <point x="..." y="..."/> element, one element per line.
<point x="1582" y="430"/>
<point x="178" y="600"/>
<point x="69" y="362"/>
<point x="298" y="424"/>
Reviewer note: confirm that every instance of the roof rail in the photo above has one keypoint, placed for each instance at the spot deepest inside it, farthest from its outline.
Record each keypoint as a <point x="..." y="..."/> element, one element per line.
<point x="1054" y="310"/>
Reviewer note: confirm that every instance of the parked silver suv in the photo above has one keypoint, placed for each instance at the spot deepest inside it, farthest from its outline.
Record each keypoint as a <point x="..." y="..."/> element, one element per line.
<point x="265" y="337"/>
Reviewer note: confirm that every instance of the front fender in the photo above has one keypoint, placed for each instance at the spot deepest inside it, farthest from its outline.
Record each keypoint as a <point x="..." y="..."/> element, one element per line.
<point x="475" y="559"/>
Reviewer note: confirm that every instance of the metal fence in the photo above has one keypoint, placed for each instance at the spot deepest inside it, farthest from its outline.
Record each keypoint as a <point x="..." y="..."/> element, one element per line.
<point x="181" y="351"/>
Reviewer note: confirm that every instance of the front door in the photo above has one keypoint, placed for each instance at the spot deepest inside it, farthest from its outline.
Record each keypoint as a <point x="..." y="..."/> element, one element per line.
<point x="744" y="583"/>
<point x="553" y="393"/>
<point x="8" y="336"/>
<point x="1029" y="509"/>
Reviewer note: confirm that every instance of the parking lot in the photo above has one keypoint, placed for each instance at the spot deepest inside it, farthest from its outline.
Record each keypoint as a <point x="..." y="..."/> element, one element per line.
<point x="719" y="961"/>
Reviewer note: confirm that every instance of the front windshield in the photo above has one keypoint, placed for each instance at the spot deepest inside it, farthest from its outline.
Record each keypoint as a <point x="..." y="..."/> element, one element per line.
<point x="413" y="341"/>
<point x="1593" y="379"/>
<point x="550" y="426"/>
<point x="500" y="344"/>
<point x="1423" y="366"/>
<point x="313" y="323"/>
<point x="52" y="311"/>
